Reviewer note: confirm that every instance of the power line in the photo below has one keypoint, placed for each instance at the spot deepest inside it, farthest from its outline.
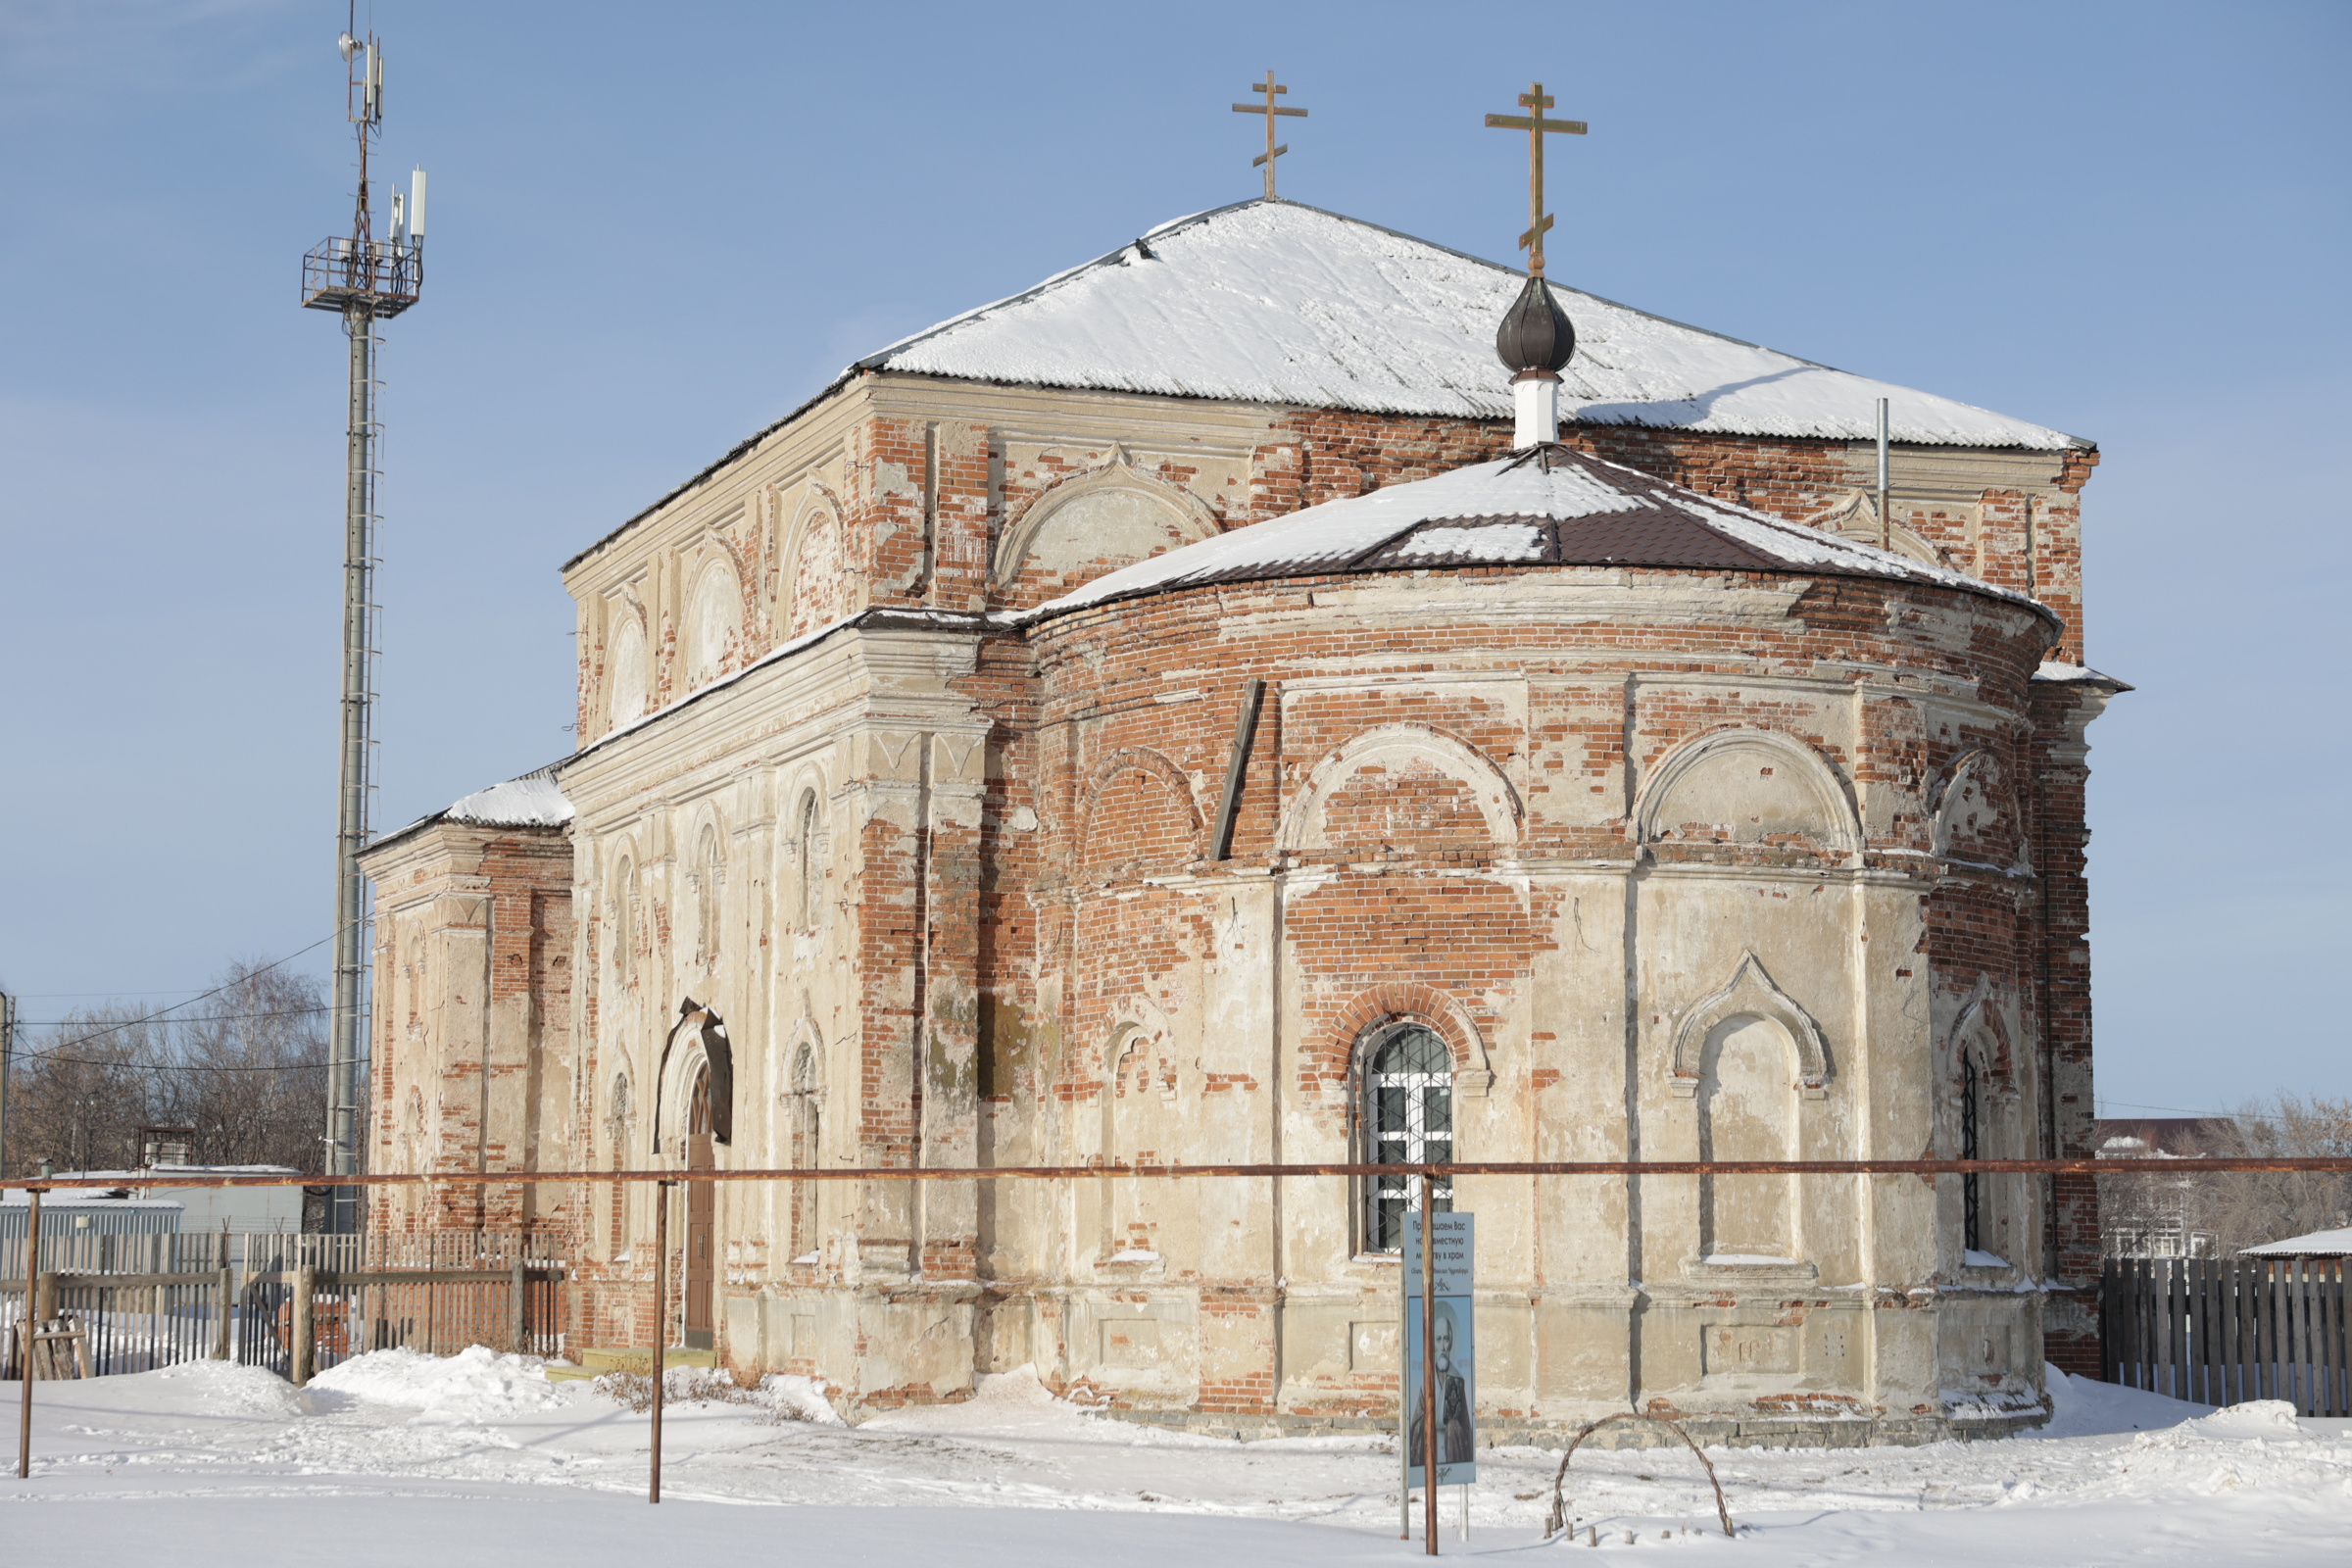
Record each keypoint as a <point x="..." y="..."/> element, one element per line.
<point x="51" y="995"/>
<point x="177" y="1066"/>
<point x="210" y="1017"/>
<point x="114" y="1029"/>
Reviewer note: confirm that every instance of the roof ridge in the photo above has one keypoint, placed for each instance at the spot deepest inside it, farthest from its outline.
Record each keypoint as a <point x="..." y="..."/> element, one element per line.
<point x="1422" y="380"/>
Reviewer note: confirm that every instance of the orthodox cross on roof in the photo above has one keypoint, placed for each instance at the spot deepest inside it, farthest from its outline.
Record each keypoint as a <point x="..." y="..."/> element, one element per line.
<point x="1269" y="109"/>
<point x="1535" y="125"/>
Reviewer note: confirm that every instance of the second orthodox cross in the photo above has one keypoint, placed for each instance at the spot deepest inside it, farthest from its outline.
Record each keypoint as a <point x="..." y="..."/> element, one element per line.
<point x="1269" y="109"/>
<point x="1535" y="125"/>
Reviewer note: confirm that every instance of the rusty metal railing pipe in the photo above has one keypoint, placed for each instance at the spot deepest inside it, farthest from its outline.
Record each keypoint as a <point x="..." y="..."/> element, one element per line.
<point x="2218" y="1165"/>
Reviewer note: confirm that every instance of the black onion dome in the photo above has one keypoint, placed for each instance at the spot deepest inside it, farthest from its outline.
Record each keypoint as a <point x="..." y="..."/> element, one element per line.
<point x="1536" y="333"/>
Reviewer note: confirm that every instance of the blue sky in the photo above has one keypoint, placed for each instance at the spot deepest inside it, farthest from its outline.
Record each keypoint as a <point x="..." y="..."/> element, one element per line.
<point x="655" y="229"/>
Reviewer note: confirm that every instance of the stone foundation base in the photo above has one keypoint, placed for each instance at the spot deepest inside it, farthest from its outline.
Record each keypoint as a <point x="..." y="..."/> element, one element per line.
<point x="1709" y="1430"/>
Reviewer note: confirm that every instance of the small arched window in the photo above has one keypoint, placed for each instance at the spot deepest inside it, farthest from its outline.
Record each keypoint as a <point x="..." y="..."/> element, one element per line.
<point x="709" y="876"/>
<point x="1406" y="1118"/>
<point x="411" y="1154"/>
<point x="619" y="1117"/>
<point x="805" y="1128"/>
<point x="808" y="848"/>
<point x="624" y="919"/>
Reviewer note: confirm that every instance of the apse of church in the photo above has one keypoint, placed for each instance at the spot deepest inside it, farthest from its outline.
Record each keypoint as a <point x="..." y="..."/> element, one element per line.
<point x="1611" y="797"/>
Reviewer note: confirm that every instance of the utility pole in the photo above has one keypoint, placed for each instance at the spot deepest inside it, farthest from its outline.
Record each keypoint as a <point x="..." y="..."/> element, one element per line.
<point x="8" y="1051"/>
<point x="365" y="280"/>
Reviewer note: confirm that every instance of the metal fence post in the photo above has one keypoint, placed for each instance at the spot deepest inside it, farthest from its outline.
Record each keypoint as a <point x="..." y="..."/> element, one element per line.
<point x="301" y="1350"/>
<point x="661" y="1323"/>
<point x="32" y="1264"/>
<point x="518" y="1319"/>
<point x="222" y="1343"/>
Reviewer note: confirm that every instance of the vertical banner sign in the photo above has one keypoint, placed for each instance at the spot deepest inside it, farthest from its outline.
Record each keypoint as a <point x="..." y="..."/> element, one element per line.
<point x="1455" y="1333"/>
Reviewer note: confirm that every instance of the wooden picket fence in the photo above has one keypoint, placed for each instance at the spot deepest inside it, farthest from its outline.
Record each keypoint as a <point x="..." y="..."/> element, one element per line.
<point x="2225" y="1330"/>
<point x="153" y="1300"/>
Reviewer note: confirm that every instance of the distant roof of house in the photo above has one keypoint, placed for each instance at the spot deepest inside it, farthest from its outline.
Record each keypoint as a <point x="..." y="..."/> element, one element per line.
<point x="1275" y="302"/>
<point x="164" y="1175"/>
<point x="2177" y="1137"/>
<point x="87" y="1197"/>
<point x="2319" y="1243"/>
<point x="1546" y="506"/>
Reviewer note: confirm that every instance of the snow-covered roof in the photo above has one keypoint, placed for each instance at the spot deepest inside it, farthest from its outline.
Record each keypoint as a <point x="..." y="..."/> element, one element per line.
<point x="534" y="800"/>
<point x="1547" y="506"/>
<point x="531" y="801"/>
<point x="2059" y="673"/>
<point x="1274" y="302"/>
<point x="88" y="1198"/>
<point x="164" y="1175"/>
<point x="2319" y="1243"/>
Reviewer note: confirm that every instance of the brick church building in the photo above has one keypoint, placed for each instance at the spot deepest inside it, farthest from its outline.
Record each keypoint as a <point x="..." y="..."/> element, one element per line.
<point x="1200" y="711"/>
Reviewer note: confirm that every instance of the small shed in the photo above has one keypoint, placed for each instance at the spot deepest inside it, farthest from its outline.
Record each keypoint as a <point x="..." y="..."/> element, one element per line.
<point x="236" y="1209"/>
<point x="103" y="1211"/>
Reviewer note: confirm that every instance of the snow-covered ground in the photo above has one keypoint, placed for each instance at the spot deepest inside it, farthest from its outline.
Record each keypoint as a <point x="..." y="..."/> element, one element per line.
<point x="400" y="1458"/>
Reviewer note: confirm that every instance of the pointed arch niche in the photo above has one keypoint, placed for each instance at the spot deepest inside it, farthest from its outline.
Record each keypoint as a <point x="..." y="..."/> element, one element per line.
<point x="1858" y="519"/>
<point x="1985" y="1122"/>
<point x="798" y="1143"/>
<point x="1748" y="1057"/>
<point x="1142" y="1126"/>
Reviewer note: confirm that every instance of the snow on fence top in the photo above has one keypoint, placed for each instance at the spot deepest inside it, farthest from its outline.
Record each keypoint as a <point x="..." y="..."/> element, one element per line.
<point x="1273" y="302"/>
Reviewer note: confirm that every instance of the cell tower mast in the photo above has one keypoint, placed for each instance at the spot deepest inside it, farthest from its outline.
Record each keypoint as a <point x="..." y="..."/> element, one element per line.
<point x="365" y="280"/>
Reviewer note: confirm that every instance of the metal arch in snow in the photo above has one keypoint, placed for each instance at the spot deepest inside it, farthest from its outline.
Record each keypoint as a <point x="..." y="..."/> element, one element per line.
<point x="1558" y="1520"/>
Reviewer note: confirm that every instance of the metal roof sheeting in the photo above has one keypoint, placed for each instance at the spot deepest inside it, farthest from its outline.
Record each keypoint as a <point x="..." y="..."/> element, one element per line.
<point x="2319" y="1243"/>
<point x="1273" y="302"/>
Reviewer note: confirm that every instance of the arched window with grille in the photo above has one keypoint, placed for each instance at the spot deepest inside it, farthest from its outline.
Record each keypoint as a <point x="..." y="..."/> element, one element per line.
<point x="1405" y="1117"/>
<point x="1972" y="1146"/>
<point x="620" y="1116"/>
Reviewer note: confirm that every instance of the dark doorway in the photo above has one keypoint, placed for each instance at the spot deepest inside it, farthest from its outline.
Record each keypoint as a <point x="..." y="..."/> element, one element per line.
<point x="702" y="1206"/>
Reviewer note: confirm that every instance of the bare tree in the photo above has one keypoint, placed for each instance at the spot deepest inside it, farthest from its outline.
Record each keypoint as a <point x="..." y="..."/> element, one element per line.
<point x="253" y="1070"/>
<point x="245" y="1067"/>
<point x="2220" y="1214"/>
<point x="2248" y="1210"/>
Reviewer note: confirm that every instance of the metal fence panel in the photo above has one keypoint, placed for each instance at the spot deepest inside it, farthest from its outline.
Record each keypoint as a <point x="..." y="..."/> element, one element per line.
<point x="143" y="1301"/>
